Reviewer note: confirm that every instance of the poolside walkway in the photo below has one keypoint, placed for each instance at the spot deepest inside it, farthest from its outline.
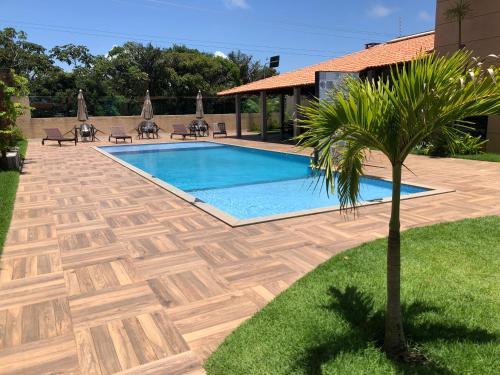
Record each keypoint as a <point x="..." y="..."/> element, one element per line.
<point x="105" y="272"/>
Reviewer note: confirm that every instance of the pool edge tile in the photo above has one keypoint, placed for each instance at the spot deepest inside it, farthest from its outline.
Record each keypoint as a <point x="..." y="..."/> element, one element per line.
<point x="234" y="222"/>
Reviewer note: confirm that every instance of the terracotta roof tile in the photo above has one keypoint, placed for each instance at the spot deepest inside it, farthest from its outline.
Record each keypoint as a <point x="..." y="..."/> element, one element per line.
<point x="388" y="53"/>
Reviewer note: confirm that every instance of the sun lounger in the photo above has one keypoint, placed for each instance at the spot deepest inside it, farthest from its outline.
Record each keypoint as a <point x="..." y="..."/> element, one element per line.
<point x="183" y="131"/>
<point x="54" y="134"/>
<point x="118" y="133"/>
<point x="222" y="129"/>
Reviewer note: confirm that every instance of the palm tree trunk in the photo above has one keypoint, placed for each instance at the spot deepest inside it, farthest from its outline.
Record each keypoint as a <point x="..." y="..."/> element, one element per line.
<point x="394" y="343"/>
<point x="460" y="34"/>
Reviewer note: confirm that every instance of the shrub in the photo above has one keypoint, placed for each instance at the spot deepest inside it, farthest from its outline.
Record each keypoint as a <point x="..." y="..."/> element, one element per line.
<point x="10" y="134"/>
<point x="9" y="138"/>
<point x="467" y="144"/>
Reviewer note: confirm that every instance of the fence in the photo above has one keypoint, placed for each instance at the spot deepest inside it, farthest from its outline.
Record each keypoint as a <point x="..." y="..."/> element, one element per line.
<point x="105" y="112"/>
<point x="53" y="106"/>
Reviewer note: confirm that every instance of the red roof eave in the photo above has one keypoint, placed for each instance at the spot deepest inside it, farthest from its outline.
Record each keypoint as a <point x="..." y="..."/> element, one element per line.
<point x="392" y="52"/>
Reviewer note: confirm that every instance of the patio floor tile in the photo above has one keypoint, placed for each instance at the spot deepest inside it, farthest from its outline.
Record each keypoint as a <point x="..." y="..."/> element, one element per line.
<point x="104" y="272"/>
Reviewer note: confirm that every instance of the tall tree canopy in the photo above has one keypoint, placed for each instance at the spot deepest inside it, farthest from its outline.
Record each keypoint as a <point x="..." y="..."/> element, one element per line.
<point x="26" y="58"/>
<point x="72" y="55"/>
<point x="124" y="73"/>
<point x="249" y="70"/>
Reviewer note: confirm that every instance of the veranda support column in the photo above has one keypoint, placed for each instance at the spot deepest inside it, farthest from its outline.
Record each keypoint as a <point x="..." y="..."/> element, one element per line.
<point x="263" y="112"/>
<point x="296" y="102"/>
<point x="238" y="115"/>
<point x="282" y="114"/>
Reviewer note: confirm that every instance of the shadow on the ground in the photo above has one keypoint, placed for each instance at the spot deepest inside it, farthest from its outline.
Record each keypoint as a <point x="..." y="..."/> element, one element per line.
<point x="366" y="327"/>
<point x="274" y="137"/>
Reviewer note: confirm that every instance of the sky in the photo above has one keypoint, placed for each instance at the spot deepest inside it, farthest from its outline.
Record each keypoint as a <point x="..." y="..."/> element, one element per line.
<point x="301" y="32"/>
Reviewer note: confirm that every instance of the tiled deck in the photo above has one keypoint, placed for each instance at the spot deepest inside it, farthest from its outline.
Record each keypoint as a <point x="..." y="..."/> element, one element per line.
<point x="105" y="272"/>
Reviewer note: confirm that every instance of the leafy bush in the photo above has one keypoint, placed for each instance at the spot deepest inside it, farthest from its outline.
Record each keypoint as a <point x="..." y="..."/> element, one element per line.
<point x="11" y="111"/>
<point x="9" y="138"/>
<point x="10" y="134"/>
<point x="465" y="145"/>
<point x="469" y="145"/>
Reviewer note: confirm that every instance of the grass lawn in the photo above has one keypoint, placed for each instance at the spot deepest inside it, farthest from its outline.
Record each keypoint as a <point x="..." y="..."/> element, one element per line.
<point x="8" y="188"/>
<point x="488" y="156"/>
<point x="331" y="321"/>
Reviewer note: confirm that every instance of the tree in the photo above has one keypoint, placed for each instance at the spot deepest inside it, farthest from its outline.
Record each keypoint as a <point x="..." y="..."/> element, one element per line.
<point x="26" y="58"/>
<point x="72" y="55"/>
<point x="458" y="13"/>
<point x="115" y="83"/>
<point x="176" y="71"/>
<point x="249" y="69"/>
<point x="429" y="95"/>
<point x="138" y="67"/>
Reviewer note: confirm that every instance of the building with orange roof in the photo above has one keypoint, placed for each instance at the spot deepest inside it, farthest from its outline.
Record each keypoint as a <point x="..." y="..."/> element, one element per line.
<point x="394" y="51"/>
<point x="373" y="61"/>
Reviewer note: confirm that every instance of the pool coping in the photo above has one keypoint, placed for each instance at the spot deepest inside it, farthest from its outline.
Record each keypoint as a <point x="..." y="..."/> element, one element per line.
<point x="234" y="222"/>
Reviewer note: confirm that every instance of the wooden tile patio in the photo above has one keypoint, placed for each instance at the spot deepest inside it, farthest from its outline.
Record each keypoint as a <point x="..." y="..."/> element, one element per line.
<point x="104" y="272"/>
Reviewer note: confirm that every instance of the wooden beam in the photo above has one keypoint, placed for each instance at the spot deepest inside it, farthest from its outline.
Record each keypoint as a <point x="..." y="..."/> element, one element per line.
<point x="263" y="112"/>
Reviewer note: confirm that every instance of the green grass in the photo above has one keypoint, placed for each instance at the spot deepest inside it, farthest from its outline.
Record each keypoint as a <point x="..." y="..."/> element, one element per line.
<point x="331" y="321"/>
<point x="8" y="187"/>
<point x="488" y="156"/>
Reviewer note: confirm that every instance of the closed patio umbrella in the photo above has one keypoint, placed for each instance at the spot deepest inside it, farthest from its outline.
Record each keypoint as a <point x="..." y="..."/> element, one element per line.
<point x="147" y="108"/>
<point x="147" y="126"/>
<point x="199" y="106"/>
<point x="86" y="131"/>
<point x="201" y="126"/>
<point x="82" y="114"/>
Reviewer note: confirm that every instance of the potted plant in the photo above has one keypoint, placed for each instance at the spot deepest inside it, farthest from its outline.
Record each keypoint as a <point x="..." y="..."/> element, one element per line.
<point x="9" y="139"/>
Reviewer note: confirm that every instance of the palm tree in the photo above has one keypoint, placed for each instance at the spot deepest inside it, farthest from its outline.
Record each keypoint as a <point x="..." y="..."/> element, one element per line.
<point x="430" y="95"/>
<point x="458" y="13"/>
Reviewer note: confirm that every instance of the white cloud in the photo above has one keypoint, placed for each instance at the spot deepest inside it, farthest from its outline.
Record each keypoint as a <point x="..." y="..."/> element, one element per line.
<point x="220" y="54"/>
<point x="241" y="4"/>
<point x="106" y="55"/>
<point x="380" y="11"/>
<point x="424" y="15"/>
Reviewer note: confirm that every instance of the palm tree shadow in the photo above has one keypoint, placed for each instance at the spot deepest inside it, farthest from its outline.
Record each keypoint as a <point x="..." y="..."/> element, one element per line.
<point x="366" y="328"/>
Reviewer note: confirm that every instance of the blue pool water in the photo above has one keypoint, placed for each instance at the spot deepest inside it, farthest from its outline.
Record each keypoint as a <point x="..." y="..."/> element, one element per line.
<point x="245" y="183"/>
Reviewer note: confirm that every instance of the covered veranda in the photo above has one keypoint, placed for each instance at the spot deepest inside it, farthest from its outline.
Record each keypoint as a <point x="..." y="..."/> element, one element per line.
<point x="300" y="85"/>
<point x="287" y="128"/>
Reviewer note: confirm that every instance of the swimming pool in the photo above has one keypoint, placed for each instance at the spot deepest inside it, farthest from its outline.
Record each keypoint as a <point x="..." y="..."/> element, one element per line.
<point x="245" y="183"/>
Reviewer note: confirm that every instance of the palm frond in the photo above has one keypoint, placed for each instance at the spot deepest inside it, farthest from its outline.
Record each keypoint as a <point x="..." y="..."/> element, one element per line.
<point x="460" y="10"/>
<point x="349" y="172"/>
<point x="429" y="95"/>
